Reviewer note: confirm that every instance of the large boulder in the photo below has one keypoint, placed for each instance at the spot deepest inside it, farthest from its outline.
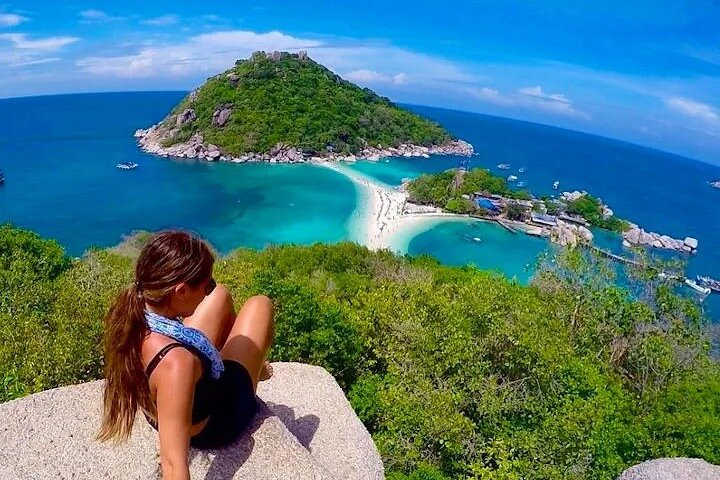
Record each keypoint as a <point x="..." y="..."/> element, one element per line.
<point x="305" y="429"/>
<point x="221" y="115"/>
<point x="187" y="116"/>
<point x="672" y="469"/>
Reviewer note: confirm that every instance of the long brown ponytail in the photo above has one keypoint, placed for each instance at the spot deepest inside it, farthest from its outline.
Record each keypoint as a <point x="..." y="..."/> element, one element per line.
<point x="169" y="258"/>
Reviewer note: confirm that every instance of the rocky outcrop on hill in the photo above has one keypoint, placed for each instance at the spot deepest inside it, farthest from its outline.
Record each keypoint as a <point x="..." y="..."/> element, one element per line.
<point x="221" y="115"/>
<point x="187" y="116"/>
<point x="570" y="235"/>
<point x="305" y="429"/>
<point x="672" y="469"/>
<point x="637" y="236"/>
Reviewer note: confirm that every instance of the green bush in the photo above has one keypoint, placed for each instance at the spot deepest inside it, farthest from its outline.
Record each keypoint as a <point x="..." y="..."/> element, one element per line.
<point x="456" y="372"/>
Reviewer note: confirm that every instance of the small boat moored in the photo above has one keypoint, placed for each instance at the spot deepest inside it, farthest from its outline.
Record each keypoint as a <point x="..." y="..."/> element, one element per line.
<point x="556" y="185"/>
<point x="521" y="184"/>
<point x="504" y="166"/>
<point x="521" y="169"/>
<point x="698" y="288"/>
<point x="126" y="165"/>
<point x="511" y="178"/>
<point x="2" y="178"/>
<point x="710" y="283"/>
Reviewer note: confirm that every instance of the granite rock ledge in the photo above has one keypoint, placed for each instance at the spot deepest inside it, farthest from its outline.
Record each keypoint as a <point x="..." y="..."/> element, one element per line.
<point x="305" y="429"/>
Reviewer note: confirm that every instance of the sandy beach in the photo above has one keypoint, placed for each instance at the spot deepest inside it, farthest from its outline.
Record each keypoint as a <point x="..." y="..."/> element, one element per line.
<point x="379" y="220"/>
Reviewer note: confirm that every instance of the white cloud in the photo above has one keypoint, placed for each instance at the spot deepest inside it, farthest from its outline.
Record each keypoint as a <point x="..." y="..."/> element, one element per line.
<point x="534" y="97"/>
<point x="11" y="19"/>
<point x="537" y="92"/>
<point x="372" y="76"/>
<point x="529" y="98"/>
<point x="210" y="53"/>
<point x="489" y="95"/>
<point x="368" y="76"/>
<point x="92" y="16"/>
<point x="48" y="44"/>
<point x="207" y="53"/>
<point x="692" y="108"/>
<point x="37" y="61"/>
<point x="162" y="20"/>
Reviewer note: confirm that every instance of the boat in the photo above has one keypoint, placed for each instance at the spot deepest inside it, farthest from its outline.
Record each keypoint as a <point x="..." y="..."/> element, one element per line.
<point x="521" y="169"/>
<point x="715" y="184"/>
<point x="126" y="165"/>
<point x="511" y="178"/>
<point x="521" y="184"/>
<point x="710" y="283"/>
<point x="504" y="166"/>
<point x="556" y="185"/>
<point x="698" y="288"/>
<point x="470" y="238"/>
<point x="2" y="178"/>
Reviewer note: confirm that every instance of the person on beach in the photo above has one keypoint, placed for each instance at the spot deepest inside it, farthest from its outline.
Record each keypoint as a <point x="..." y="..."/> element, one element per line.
<point x="175" y="349"/>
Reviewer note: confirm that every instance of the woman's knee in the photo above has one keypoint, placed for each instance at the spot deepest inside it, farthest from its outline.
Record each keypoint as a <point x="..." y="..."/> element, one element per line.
<point x="221" y="295"/>
<point x="261" y="305"/>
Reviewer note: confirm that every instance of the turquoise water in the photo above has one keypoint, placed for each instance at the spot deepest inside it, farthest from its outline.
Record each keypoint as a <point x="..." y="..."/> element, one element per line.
<point x="482" y="244"/>
<point x="59" y="155"/>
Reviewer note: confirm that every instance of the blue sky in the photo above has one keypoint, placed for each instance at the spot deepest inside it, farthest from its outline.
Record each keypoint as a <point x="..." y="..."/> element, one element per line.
<point x="645" y="71"/>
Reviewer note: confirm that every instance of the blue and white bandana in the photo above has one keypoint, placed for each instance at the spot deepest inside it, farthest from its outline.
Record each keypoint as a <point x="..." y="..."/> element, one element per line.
<point x="186" y="336"/>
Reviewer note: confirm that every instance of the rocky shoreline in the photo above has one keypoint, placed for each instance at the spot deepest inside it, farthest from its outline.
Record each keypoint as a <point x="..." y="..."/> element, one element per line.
<point x="151" y="140"/>
<point x="637" y="236"/>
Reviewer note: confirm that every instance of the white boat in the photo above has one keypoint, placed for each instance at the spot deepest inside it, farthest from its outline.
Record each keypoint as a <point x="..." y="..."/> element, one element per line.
<point x="521" y="184"/>
<point x="556" y="185"/>
<point x="504" y="166"/>
<point x="715" y="184"/>
<point x="692" y="284"/>
<point x="521" y="169"/>
<point x="126" y="165"/>
<point x="710" y="283"/>
<point x="511" y="178"/>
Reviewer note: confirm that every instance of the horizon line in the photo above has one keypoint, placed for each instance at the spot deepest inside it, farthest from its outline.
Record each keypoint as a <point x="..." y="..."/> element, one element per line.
<point x="515" y="119"/>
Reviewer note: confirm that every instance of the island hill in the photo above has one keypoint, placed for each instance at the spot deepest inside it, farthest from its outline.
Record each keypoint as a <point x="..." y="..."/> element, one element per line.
<point x="283" y="107"/>
<point x="565" y="220"/>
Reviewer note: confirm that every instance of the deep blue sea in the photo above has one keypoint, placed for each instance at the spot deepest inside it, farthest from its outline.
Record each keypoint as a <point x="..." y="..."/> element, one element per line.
<point x="59" y="154"/>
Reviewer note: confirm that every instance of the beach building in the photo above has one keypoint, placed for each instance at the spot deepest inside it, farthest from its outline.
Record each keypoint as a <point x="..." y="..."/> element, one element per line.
<point x="574" y="219"/>
<point x="543" y="219"/>
<point x="488" y="204"/>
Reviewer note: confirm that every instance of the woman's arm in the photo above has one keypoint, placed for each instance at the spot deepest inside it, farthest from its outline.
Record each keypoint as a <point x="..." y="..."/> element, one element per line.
<point x="175" y="389"/>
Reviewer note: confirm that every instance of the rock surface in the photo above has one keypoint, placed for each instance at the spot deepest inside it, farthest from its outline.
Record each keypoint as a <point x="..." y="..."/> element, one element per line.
<point x="637" y="236"/>
<point x="305" y="429"/>
<point x="221" y="115"/>
<point x="153" y="139"/>
<point x="570" y="235"/>
<point x="672" y="469"/>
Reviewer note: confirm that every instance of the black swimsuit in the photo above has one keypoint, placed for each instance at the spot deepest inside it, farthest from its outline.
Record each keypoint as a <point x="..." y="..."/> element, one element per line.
<point x="229" y="401"/>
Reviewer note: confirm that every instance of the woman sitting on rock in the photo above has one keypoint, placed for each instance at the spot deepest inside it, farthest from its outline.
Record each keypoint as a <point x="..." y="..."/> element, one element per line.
<point x="175" y="348"/>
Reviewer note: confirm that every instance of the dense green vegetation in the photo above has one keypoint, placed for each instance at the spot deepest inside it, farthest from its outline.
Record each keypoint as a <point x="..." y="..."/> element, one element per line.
<point x="456" y="372"/>
<point x="590" y="209"/>
<point x="440" y="190"/>
<point x="289" y="98"/>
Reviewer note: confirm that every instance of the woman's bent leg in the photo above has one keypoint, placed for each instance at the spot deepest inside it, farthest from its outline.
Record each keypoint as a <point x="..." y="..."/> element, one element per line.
<point x="251" y="336"/>
<point x="214" y="316"/>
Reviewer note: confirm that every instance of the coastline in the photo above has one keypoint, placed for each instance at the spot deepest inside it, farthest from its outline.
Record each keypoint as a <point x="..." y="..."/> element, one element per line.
<point x="379" y="220"/>
<point x="151" y="141"/>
